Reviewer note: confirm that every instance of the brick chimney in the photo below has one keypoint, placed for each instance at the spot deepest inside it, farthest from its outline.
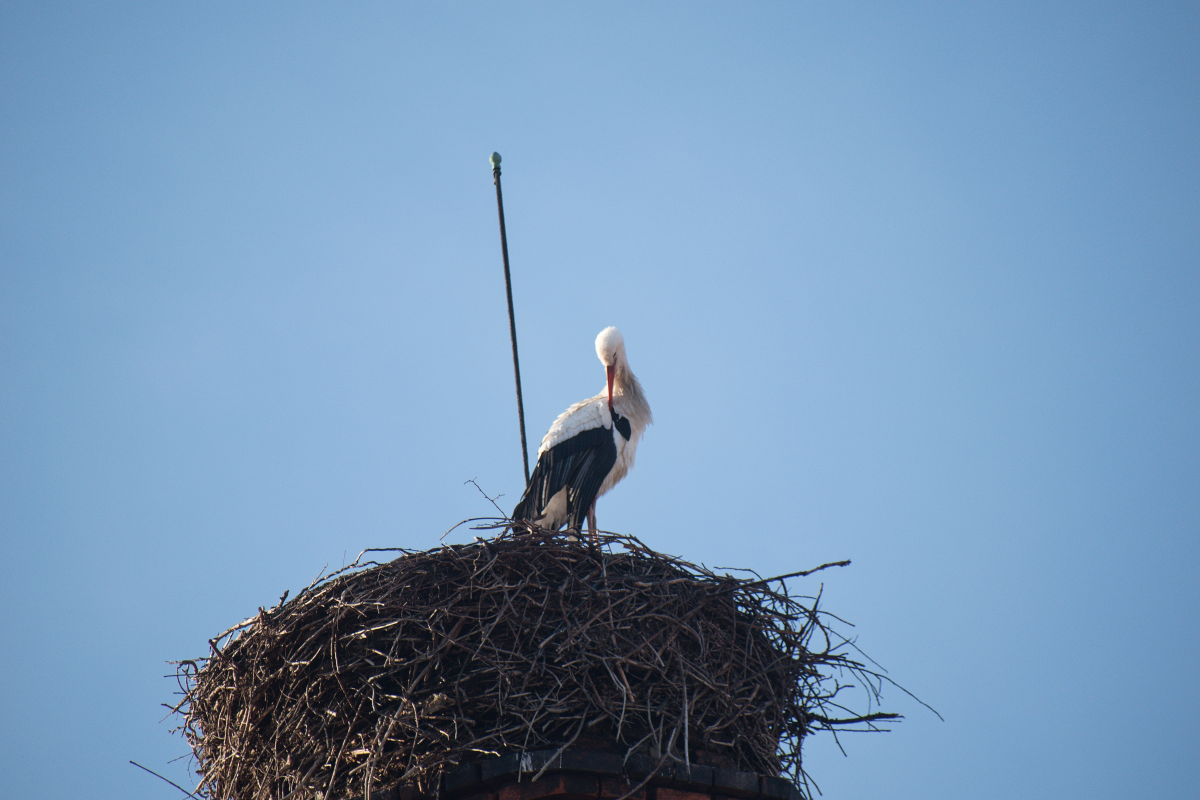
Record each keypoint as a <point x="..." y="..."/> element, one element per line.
<point x="593" y="775"/>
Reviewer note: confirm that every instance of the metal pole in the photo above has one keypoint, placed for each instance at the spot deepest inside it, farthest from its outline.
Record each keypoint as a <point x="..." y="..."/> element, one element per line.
<point x="512" y="320"/>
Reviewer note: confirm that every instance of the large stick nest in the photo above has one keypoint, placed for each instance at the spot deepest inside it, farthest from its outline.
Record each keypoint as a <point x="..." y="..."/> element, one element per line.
<point x="390" y="674"/>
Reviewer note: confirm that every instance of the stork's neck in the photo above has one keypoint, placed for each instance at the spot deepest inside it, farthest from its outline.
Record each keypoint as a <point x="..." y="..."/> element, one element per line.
<point x="628" y="397"/>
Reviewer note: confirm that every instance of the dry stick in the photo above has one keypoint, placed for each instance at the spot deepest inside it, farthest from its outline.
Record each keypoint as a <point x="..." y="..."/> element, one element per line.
<point x="801" y="574"/>
<point x="371" y="762"/>
<point x="686" y="722"/>
<point x="512" y="319"/>
<point x="553" y="758"/>
<point x="168" y="780"/>
<point x="854" y="720"/>
<point x="657" y="767"/>
<point x="491" y="500"/>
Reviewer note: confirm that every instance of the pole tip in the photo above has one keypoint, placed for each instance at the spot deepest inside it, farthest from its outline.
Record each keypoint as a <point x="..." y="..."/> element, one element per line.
<point x="495" y="159"/>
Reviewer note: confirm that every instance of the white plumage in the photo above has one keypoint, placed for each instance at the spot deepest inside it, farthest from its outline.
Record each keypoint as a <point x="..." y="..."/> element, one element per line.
<point x="589" y="448"/>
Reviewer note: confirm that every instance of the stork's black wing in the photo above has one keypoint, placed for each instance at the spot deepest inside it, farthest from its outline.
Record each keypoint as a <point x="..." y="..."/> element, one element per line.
<point x="579" y="464"/>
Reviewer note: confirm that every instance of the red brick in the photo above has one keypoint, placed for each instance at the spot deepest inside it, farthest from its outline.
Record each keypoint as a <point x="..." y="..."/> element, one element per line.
<point x="663" y="793"/>
<point x="408" y="793"/>
<point x="560" y="787"/>
<point x="611" y="788"/>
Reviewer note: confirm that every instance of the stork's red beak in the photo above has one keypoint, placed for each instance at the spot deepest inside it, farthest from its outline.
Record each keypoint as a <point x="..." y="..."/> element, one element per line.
<point x="611" y="371"/>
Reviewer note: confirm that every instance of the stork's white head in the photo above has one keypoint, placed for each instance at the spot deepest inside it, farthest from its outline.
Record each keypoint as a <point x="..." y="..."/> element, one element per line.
<point x="610" y="348"/>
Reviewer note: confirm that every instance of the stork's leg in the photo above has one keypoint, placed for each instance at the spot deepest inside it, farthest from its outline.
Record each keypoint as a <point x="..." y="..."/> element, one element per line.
<point x="591" y="515"/>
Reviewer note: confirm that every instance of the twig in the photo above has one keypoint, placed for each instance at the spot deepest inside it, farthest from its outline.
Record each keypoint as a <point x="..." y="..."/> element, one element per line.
<point x="168" y="780"/>
<point x="801" y="574"/>
<point x="491" y="500"/>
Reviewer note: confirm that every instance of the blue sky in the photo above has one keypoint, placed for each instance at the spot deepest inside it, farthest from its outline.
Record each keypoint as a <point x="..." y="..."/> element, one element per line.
<point x="916" y="287"/>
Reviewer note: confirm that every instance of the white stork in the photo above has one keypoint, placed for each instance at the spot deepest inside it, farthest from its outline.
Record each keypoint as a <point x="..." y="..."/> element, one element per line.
<point x="589" y="448"/>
